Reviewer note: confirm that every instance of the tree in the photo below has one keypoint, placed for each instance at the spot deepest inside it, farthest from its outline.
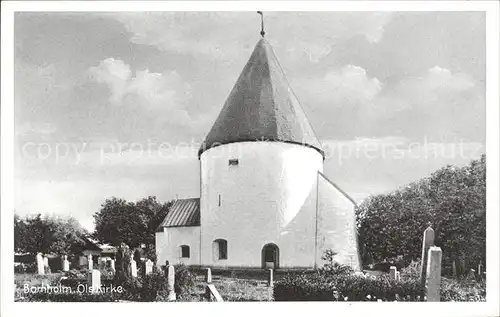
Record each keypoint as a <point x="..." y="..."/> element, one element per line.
<point x="119" y="221"/>
<point x="452" y="199"/>
<point x="67" y="233"/>
<point x="46" y="234"/>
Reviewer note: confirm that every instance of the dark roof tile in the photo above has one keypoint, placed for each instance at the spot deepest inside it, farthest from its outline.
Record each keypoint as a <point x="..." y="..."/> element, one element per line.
<point x="183" y="213"/>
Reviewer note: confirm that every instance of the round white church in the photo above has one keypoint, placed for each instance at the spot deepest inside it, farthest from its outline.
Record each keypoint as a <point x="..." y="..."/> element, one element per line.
<point x="264" y="202"/>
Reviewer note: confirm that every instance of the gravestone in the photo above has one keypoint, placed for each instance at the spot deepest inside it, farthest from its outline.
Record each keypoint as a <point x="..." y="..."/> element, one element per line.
<point x="95" y="280"/>
<point x="212" y="294"/>
<point x="171" y="283"/>
<point x="398" y="276"/>
<point x="427" y="242"/>
<point x="149" y="267"/>
<point x="112" y="264"/>
<point x="208" y="275"/>
<point x="65" y="263"/>
<point x="433" y="276"/>
<point x="40" y="263"/>
<point x="46" y="264"/>
<point x="133" y="268"/>
<point x="90" y="263"/>
<point x="270" y="278"/>
<point x="392" y="272"/>
<point x="480" y="270"/>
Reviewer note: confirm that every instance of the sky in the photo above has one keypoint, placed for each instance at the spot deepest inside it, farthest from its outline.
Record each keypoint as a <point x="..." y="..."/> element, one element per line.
<point x="117" y="104"/>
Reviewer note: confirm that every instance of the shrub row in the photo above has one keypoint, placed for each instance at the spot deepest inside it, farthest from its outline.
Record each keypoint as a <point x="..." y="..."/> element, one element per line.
<point x="324" y="287"/>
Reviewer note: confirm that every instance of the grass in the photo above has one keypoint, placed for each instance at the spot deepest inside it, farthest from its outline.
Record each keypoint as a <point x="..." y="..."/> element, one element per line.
<point x="21" y="280"/>
<point x="252" y="286"/>
<point x="232" y="289"/>
<point x="237" y="290"/>
<point x="30" y="279"/>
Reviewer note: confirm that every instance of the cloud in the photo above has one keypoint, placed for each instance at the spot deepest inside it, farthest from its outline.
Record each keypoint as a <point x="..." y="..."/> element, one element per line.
<point x="442" y="78"/>
<point x="29" y="128"/>
<point x="165" y="92"/>
<point x="351" y="84"/>
<point x="370" y="166"/>
<point x="311" y="34"/>
<point x="441" y="103"/>
<point x="438" y="103"/>
<point x="116" y="74"/>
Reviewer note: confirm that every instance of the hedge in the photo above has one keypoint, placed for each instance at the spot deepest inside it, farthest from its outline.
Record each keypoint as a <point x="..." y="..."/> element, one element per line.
<point x="324" y="287"/>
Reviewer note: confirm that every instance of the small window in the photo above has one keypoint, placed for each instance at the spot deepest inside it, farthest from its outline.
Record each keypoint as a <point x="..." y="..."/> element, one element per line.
<point x="220" y="249"/>
<point x="185" y="252"/>
<point x="233" y="162"/>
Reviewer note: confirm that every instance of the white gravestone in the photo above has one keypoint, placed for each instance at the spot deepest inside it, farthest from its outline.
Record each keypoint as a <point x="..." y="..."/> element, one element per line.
<point x="433" y="280"/>
<point x="112" y="264"/>
<point x="392" y="272"/>
<point x="133" y="268"/>
<point x="90" y="263"/>
<point x="82" y="261"/>
<point x="171" y="283"/>
<point x="149" y="266"/>
<point x="65" y="263"/>
<point x="95" y="281"/>
<point x="270" y="279"/>
<point x="427" y="242"/>
<point x="40" y="264"/>
<point x="208" y="276"/>
<point x="46" y="264"/>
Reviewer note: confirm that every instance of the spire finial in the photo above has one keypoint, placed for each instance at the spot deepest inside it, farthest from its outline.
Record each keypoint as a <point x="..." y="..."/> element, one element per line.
<point x="262" y="33"/>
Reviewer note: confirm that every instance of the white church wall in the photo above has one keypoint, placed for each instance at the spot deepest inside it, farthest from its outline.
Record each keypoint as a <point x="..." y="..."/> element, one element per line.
<point x="170" y="240"/>
<point x="259" y="199"/>
<point x="336" y="224"/>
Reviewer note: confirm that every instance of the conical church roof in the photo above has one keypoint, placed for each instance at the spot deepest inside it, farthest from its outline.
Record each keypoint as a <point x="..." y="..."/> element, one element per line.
<point x="261" y="107"/>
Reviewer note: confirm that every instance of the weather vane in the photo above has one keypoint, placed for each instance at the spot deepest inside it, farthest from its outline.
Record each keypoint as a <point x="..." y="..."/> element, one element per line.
<point x="262" y="33"/>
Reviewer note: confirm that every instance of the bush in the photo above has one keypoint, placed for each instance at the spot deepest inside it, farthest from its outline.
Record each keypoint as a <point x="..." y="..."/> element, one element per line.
<point x="154" y="287"/>
<point x="76" y="274"/>
<point x="324" y="287"/>
<point x="107" y="273"/>
<point x="463" y="290"/>
<point x="185" y="280"/>
<point x="132" y="287"/>
<point x="412" y="271"/>
<point x="332" y="267"/>
<point x="302" y="287"/>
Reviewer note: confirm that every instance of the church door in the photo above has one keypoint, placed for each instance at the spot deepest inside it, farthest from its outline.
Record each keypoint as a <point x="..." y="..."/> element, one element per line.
<point x="270" y="256"/>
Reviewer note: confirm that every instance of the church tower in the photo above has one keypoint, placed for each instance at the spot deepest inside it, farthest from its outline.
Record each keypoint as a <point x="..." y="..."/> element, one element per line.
<point x="264" y="201"/>
<point x="259" y="167"/>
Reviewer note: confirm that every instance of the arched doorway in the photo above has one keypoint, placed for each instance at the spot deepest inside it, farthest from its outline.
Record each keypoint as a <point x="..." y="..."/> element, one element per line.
<point x="270" y="256"/>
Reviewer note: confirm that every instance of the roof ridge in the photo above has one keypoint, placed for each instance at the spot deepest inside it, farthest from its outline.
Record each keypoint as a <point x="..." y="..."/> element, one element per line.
<point x="285" y="77"/>
<point x="338" y="188"/>
<point x="273" y="92"/>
